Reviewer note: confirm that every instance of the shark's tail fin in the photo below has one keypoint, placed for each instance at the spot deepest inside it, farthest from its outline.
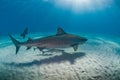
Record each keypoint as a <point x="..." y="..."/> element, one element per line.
<point x="16" y="43"/>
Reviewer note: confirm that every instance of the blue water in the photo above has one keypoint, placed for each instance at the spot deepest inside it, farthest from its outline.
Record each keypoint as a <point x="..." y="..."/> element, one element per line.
<point x="43" y="16"/>
<point x="96" y="20"/>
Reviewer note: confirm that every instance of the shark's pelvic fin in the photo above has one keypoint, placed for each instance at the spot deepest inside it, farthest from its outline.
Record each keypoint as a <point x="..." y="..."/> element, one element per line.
<point x="75" y="47"/>
<point x="60" y="31"/>
<point x="16" y="43"/>
<point x="41" y="49"/>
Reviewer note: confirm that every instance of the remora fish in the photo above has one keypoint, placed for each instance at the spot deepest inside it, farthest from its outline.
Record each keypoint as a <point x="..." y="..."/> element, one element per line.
<point x="25" y="32"/>
<point x="60" y="40"/>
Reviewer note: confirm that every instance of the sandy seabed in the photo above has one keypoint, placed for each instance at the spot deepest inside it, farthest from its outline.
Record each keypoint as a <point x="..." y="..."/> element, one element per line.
<point x="97" y="59"/>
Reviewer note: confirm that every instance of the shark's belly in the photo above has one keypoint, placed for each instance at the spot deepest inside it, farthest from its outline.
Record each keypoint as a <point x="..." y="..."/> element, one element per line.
<point x="56" y="44"/>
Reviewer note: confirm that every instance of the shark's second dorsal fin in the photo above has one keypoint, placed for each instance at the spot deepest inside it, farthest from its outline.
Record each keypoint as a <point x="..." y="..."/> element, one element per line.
<point x="60" y="31"/>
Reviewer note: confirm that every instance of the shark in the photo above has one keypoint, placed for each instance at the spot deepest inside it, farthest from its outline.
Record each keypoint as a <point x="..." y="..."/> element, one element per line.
<point x="60" y="40"/>
<point x="24" y="33"/>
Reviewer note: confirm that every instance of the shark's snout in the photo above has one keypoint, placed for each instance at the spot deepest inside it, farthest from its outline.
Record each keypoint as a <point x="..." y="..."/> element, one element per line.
<point x="84" y="39"/>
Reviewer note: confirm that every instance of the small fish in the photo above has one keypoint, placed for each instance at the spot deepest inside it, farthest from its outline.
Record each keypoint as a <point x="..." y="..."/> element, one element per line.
<point x="60" y="40"/>
<point x="25" y="32"/>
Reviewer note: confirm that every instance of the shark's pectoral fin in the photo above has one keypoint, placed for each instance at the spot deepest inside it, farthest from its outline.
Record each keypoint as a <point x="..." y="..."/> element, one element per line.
<point x="75" y="47"/>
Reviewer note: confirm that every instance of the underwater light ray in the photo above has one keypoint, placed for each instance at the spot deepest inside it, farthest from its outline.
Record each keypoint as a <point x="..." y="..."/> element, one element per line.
<point x="82" y="5"/>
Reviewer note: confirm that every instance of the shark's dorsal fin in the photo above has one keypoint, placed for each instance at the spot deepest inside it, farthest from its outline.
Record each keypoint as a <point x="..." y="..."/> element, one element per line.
<point x="25" y="32"/>
<point x="60" y="31"/>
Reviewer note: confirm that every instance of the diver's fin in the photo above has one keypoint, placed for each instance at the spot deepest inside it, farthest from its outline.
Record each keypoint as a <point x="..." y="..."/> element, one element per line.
<point x="60" y="31"/>
<point x="16" y="43"/>
<point x="75" y="47"/>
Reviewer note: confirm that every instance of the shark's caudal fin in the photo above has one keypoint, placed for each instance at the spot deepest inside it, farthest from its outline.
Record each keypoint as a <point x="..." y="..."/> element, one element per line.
<point x="16" y="43"/>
